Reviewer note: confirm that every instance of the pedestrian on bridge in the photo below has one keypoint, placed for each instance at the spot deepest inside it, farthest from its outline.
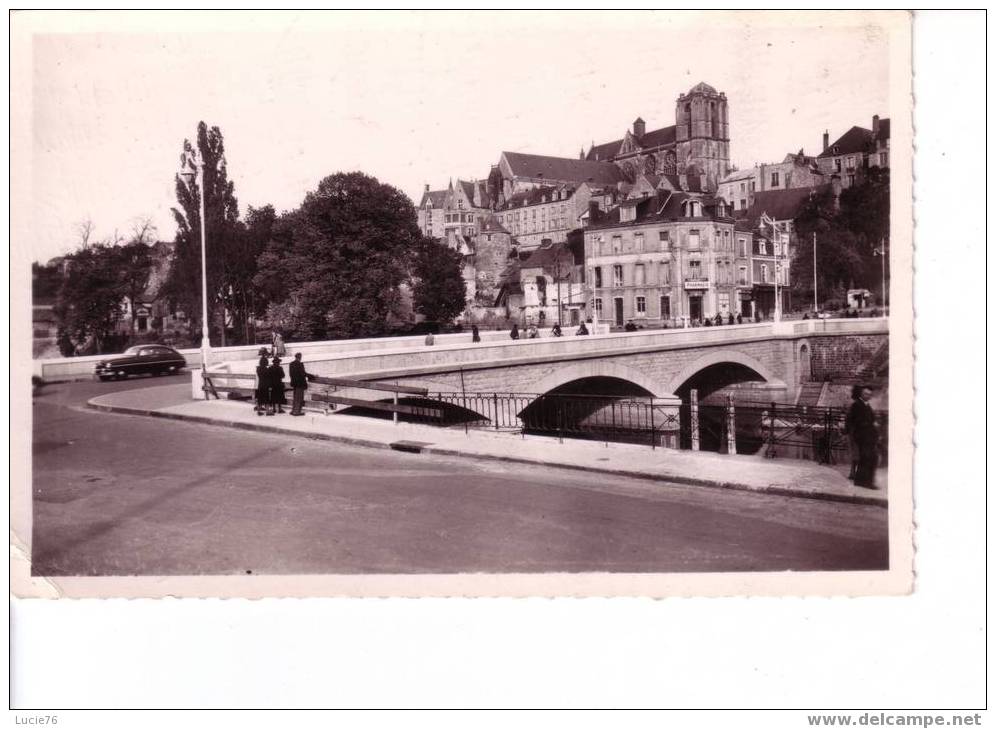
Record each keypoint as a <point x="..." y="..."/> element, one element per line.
<point x="475" y="334"/>
<point x="514" y="334"/>
<point x="860" y="424"/>
<point x="275" y="377"/>
<point x="262" y="382"/>
<point x="299" y="383"/>
<point x="582" y="331"/>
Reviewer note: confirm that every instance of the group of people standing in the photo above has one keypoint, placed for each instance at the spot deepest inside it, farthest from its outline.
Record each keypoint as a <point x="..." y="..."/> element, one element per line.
<point x="270" y="397"/>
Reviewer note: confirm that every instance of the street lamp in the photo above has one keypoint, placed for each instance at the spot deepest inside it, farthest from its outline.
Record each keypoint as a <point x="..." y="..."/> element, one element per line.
<point x="882" y="252"/>
<point x="776" y="244"/>
<point x="192" y="163"/>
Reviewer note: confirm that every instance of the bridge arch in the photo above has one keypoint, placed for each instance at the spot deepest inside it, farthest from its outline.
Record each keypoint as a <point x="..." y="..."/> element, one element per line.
<point x="589" y="369"/>
<point x="722" y="357"/>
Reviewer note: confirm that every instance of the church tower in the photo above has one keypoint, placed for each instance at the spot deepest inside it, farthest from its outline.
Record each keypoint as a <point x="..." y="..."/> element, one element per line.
<point x="702" y="134"/>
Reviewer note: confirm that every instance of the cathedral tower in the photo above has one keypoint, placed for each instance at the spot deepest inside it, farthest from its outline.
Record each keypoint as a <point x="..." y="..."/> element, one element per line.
<point x="702" y="134"/>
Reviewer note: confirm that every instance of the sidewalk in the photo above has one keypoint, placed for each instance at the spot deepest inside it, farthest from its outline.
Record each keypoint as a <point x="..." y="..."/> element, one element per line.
<point x="751" y="473"/>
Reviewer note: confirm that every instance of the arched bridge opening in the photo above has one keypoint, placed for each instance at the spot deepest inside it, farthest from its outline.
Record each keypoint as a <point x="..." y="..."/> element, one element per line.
<point x="593" y="408"/>
<point x="712" y="384"/>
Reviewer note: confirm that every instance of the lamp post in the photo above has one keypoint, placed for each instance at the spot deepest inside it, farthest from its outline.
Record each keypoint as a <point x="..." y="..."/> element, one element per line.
<point x="816" y="301"/>
<point x="882" y="252"/>
<point x="192" y="163"/>
<point x="776" y="244"/>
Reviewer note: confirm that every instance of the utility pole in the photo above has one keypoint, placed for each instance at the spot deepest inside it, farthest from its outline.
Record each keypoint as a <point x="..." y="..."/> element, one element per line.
<point x="816" y="301"/>
<point x="881" y="251"/>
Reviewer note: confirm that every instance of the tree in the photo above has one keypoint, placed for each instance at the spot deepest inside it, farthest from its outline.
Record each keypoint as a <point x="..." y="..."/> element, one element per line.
<point x="224" y="236"/>
<point x="438" y="288"/>
<point x="341" y="256"/>
<point x="846" y="237"/>
<point x="89" y="303"/>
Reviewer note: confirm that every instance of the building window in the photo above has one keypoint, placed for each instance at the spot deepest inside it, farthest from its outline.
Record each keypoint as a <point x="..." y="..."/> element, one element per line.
<point x="850" y="163"/>
<point x="638" y="242"/>
<point x="883" y="159"/>
<point x="774" y="179"/>
<point x="640" y="275"/>
<point x="616" y="244"/>
<point x="665" y="239"/>
<point x="598" y="277"/>
<point x="742" y="243"/>
<point x="617" y="276"/>
<point x="695" y="270"/>
<point x="541" y="290"/>
<point x="743" y="204"/>
<point x="762" y="247"/>
<point x="598" y="308"/>
<point x="742" y="279"/>
<point x="641" y="305"/>
<point x="764" y="273"/>
<point x="743" y="187"/>
<point x="665" y="273"/>
<point x="724" y="303"/>
<point x="836" y="165"/>
<point x="693" y="239"/>
<point x="665" y="307"/>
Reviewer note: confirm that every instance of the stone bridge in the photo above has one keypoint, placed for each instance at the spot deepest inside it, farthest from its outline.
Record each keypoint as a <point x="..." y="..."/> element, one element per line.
<point x="773" y="359"/>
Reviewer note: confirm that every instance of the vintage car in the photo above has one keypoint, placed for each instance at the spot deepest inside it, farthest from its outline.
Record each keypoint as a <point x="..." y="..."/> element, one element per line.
<point x="144" y="359"/>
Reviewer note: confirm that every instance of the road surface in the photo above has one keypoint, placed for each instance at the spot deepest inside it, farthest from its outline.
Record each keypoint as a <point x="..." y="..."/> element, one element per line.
<point x="126" y="495"/>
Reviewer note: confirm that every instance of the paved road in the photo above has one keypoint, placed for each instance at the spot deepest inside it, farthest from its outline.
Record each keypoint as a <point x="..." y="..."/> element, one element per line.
<point x="120" y="495"/>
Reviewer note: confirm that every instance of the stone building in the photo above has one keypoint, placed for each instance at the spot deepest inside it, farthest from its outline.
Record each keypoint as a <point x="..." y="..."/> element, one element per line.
<point x="430" y="212"/>
<point x="658" y="260"/>
<point x="493" y="249"/>
<point x="795" y="171"/>
<point x="856" y="151"/>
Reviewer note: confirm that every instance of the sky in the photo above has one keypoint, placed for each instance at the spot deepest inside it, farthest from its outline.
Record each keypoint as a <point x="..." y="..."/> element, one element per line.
<point x="411" y="98"/>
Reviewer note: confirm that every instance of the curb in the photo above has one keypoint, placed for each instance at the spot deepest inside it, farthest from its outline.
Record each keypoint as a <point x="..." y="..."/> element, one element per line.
<point x="444" y="451"/>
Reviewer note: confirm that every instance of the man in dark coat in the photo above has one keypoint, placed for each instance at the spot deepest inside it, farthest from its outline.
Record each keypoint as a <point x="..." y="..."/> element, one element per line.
<point x="262" y="382"/>
<point x="275" y="375"/>
<point x="862" y="429"/>
<point x="299" y="382"/>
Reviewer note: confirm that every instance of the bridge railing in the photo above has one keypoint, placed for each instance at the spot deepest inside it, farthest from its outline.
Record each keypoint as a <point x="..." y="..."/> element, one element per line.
<point x="328" y="392"/>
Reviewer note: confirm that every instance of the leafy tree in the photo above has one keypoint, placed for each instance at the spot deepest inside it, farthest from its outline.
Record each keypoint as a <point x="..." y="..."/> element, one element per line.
<point x="846" y="237"/>
<point x="134" y="261"/>
<point x="225" y="238"/>
<point x="438" y="289"/>
<point x="340" y="257"/>
<point x="88" y="307"/>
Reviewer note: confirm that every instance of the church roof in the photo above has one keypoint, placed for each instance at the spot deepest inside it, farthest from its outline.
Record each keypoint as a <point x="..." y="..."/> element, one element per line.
<point x="562" y="168"/>
<point x="657" y="138"/>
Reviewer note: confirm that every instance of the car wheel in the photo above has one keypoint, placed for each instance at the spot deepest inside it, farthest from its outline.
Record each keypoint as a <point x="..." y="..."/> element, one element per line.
<point x="104" y="378"/>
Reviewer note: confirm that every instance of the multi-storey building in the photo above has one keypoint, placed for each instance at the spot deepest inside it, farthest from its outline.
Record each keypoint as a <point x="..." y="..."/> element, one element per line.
<point x="660" y="259"/>
<point x="431" y="209"/>
<point x="795" y="171"/>
<point x="856" y="151"/>
<point x="547" y="214"/>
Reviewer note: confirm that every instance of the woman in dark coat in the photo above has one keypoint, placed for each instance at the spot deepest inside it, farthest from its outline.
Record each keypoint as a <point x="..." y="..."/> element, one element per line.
<point x="262" y="382"/>
<point x="276" y="381"/>
<point x="475" y="334"/>
<point x="514" y="334"/>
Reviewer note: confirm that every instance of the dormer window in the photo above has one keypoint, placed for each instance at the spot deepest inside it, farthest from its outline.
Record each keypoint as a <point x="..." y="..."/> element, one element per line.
<point x="627" y="214"/>
<point x="692" y="209"/>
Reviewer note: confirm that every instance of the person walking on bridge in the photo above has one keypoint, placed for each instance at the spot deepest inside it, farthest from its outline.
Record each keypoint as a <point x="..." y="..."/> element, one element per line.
<point x="299" y="383"/>
<point x="514" y="334"/>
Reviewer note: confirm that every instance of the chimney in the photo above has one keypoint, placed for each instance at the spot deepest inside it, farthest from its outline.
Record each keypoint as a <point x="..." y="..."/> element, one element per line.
<point x="639" y="127"/>
<point x="875" y="126"/>
<point x="427" y="187"/>
<point x="826" y="140"/>
<point x="594" y="212"/>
